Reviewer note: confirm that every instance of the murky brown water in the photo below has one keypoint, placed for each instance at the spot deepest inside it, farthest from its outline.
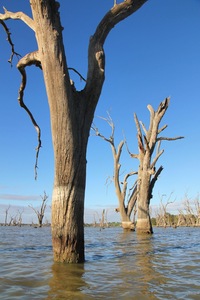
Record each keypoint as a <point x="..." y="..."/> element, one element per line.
<point x="118" y="265"/>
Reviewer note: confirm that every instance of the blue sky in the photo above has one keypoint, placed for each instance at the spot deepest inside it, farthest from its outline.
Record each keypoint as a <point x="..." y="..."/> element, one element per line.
<point x="153" y="54"/>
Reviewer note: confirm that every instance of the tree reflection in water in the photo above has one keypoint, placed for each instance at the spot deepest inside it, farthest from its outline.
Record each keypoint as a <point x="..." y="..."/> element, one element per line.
<point x="67" y="282"/>
<point x="145" y="264"/>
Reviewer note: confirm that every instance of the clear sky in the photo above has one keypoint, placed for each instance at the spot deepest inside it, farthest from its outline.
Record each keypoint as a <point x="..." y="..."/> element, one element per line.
<point x="153" y="54"/>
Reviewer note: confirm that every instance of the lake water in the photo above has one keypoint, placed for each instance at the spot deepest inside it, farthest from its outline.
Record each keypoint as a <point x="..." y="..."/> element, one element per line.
<point x="119" y="265"/>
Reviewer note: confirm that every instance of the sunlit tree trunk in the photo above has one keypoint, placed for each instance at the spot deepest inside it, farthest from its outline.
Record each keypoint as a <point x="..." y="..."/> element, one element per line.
<point x="70" y="135"/>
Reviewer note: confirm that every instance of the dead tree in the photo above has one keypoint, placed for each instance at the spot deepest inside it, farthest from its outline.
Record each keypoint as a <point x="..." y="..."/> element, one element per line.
<point x="102" y="220"/>
<point x="71" y="112"/>
<point x="147" y="175"/>
<point x="126" y="197"/>
<point x="41" y="211"/>
<point x="162" y="216"/>
<point x="191" y="209"/>
<point x="6" y="215"/>
<point x="189" y="215"/>
<point x="148" y="157"/>
<point x="20" y="212"/>
<point x="197" y="207"/>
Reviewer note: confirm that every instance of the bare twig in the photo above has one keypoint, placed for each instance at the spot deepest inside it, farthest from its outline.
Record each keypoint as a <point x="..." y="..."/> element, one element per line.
<point x="79" y="74"/>
<point x="10" y="42"/>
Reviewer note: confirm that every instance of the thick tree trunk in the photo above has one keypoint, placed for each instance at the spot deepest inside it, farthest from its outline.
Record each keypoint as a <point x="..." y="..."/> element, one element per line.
<point x="71" y="117"/>
<point x="70" y="135"/>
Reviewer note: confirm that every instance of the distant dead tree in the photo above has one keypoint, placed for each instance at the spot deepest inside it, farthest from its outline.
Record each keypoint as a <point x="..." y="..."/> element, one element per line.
<point x="20" y="212"/>
<point x="11" y="222"/>
<point x="6" y="215"/>
<point x="181" y="218"/>
<point x="189" y="215"/>
<point x="197" y="207"/>
<point x="191" y="211"/>
<point x="149" y="143"/>
<point x="162" y="216"/>
<point x="41" y="211"/>
<point x="103" y="221"/>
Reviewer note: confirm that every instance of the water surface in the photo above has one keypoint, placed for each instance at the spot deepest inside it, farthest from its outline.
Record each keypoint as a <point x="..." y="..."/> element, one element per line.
<point x="119" y="265"/>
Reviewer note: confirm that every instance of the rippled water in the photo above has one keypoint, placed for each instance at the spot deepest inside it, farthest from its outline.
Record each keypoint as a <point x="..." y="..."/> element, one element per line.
<point x="119" y="265"/>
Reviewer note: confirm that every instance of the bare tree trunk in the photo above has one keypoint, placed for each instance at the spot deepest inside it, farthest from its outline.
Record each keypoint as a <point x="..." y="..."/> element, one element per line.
<point x="6" y="216"/>
<point x="120" y="186"/>
<point x="147" y="174"/>
<point x="69" y="134"/>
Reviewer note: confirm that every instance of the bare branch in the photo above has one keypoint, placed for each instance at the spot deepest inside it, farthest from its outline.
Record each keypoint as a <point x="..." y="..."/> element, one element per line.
<point x="143" y="127"/>
<point x="10" y="42"/>
<point x="28" y="60"/>
<point x="36" y="211"/>
<point x="163" y="107"/>
<point x="170" y="139"/>
<point x="139" y="135"/>
<point x="125" y="184"/>
<point x="129" y="175"/>
<point x="132" y="199"/>
<point x="17" y="16"/>
<point x="161" y="129"/>
<point x="111" y="124"/>
<point x="153" y="181"/>
<point x="152" y="115"/>
<point x="137" y="125"/>
<point x="131" y="154"/>
<point x="119" y="150"/>
<point x="158" y="147"/>
<point x="79" y="74"/>
<point x="156" y="158"/>
<point x="96" y="55"/>
<point x="168" y="202"/>
<point x="97" y="133"/>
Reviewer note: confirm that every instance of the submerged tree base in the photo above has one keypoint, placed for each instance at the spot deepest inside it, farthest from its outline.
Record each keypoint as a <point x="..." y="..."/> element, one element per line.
<point x="128" y="226"/>
<point x="144" y="226"/>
